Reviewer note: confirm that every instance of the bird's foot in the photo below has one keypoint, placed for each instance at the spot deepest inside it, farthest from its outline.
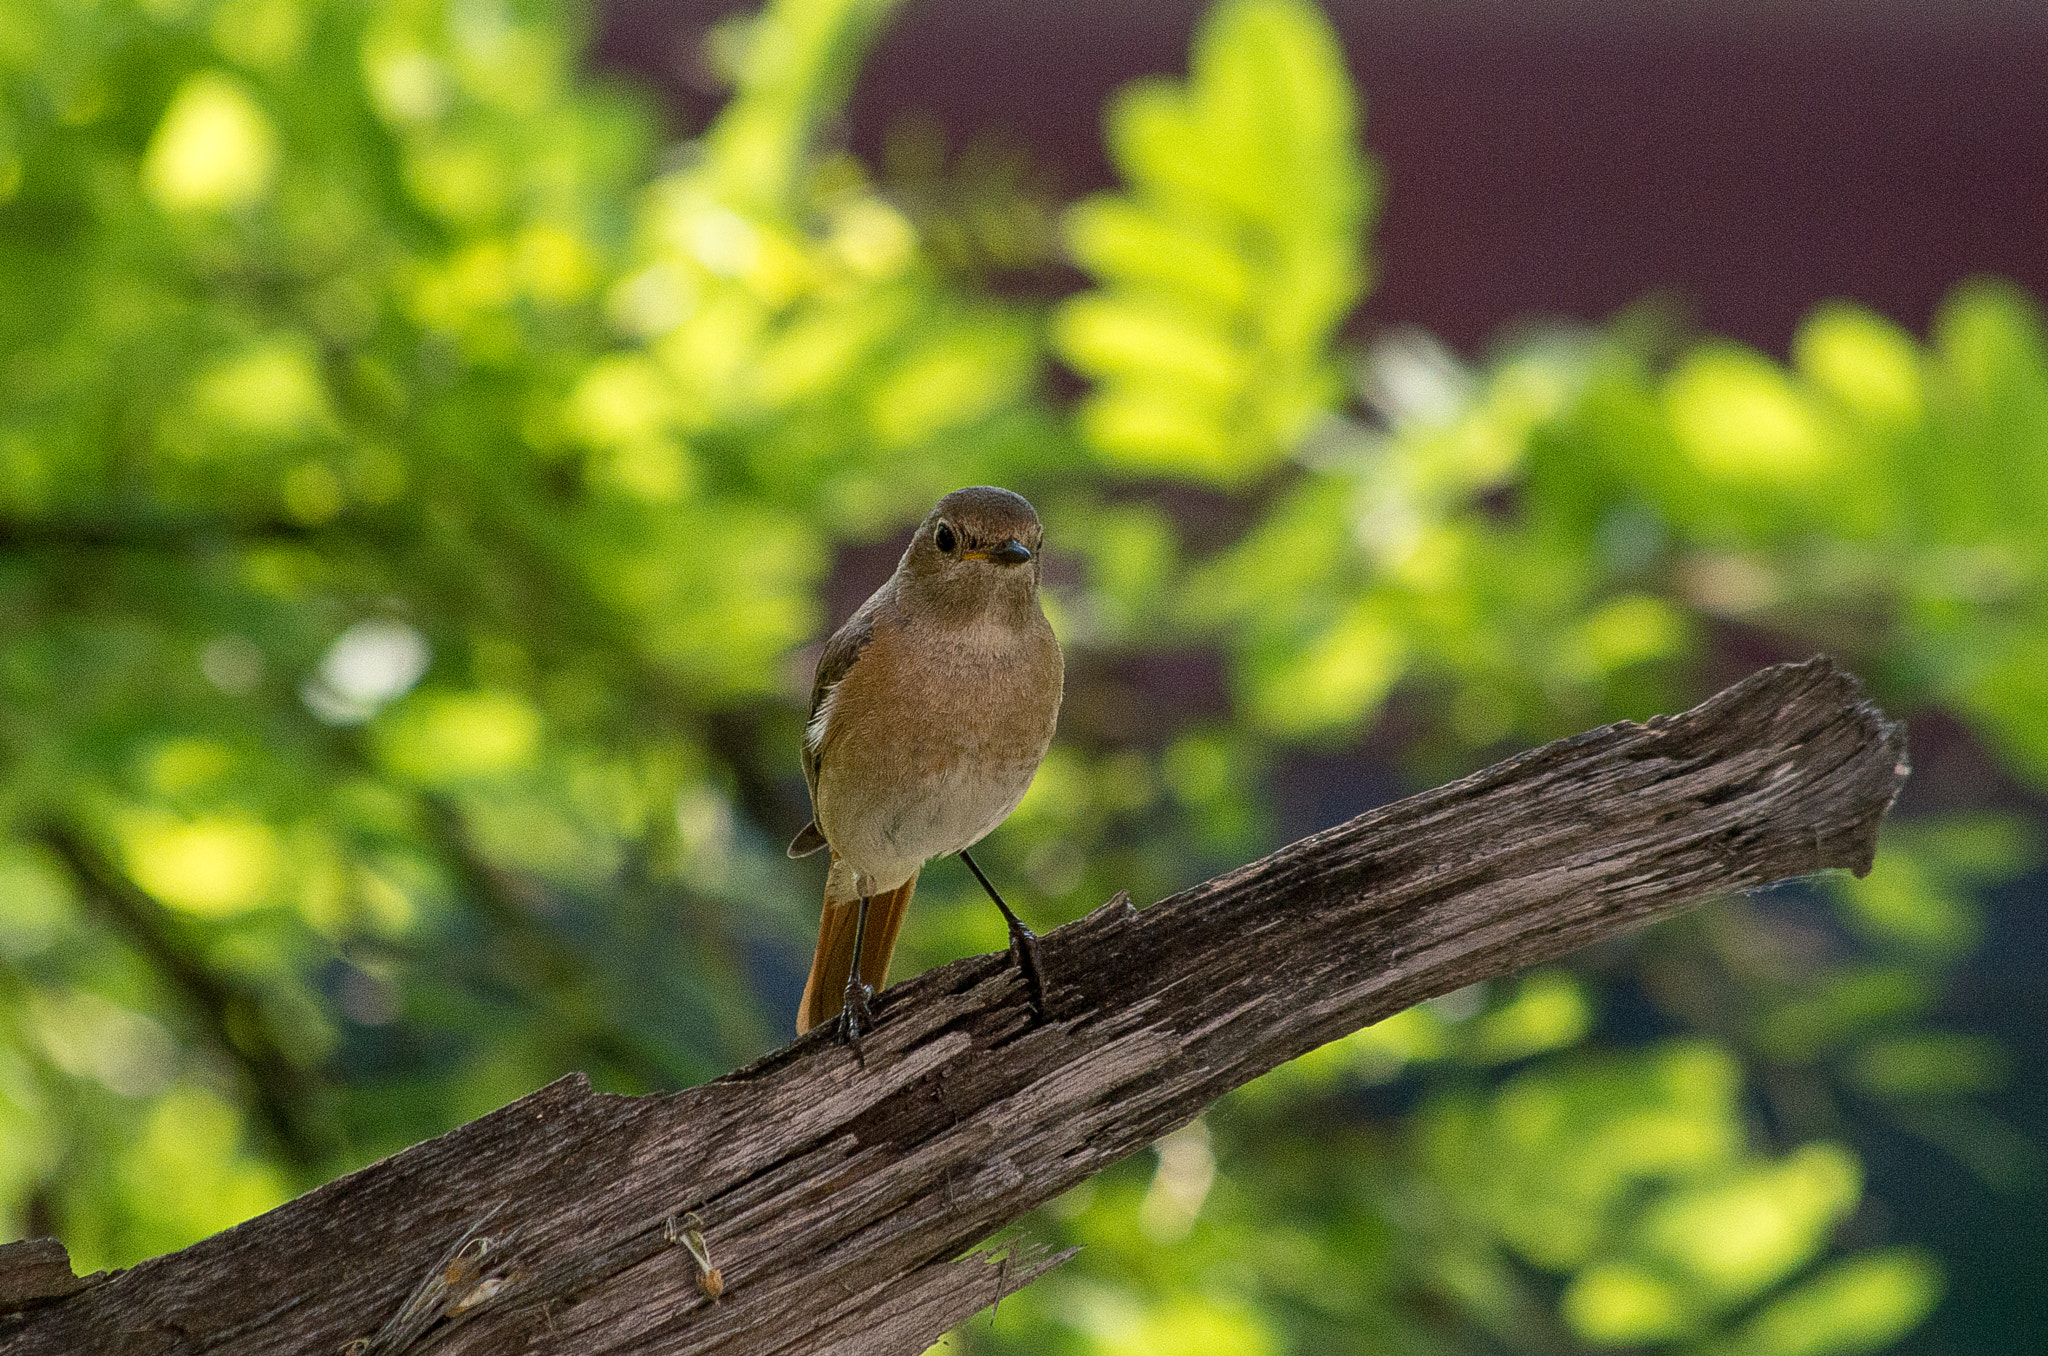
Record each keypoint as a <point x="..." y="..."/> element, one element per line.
<point x="855" y="1018"/>
<point x="1024" y="955"/>
<point x="1023" y="941"/>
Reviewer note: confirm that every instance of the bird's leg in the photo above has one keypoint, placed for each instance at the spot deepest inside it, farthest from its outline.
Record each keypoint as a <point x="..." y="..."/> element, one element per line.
<point x="1023" y="941"/>
<point x="855" y="1020"/>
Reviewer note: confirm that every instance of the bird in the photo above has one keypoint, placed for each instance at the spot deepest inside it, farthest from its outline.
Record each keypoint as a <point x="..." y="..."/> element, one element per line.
<point x="932" y="708"/>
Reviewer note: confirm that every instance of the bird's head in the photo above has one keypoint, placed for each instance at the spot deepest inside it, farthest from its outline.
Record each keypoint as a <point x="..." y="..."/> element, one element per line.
<point x="975" y="545"/>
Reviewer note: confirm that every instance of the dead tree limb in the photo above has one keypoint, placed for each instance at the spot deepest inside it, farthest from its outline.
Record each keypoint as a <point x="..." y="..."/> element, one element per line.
<point x="840" y="1191"/>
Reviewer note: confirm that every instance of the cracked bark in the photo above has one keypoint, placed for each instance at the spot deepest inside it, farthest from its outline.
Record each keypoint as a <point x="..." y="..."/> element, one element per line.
<point x="842" y="1193"/>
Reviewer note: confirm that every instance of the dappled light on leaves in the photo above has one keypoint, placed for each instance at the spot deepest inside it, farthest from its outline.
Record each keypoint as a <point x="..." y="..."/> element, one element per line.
<point x="447" y="738"/>
<point x="1623" y="1304"/>
<point x="1741" y="421"/>
<point x="214" y="148"/>
<point x="1863" y="1304"/>
<point x="216" y="865"/>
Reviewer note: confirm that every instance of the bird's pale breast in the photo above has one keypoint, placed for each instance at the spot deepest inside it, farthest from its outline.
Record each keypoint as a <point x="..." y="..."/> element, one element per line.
<point x="931" y="745"/>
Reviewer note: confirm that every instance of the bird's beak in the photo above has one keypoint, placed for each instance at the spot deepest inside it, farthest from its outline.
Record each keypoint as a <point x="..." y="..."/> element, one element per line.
<point x="1011" y="552"/>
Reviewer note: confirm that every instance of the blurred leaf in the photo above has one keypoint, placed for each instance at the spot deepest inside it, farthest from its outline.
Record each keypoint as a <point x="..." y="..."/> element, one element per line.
<point x="2002" y="1157"/>
<point x="1867" y="363"/>
<point x="1862" y="1304"/>
<point x="1740" y="1236"/>
<point x="1917" y="895"/>
<point x="214" y="149"/>
<point x="1841" y="1005"/>
<point x="446" y="738"/>
<point x="186" y="1177"/>
<point x="1549" y="1161"/>
<point x="39" y="903"/>
<point x="214" y="866"/>
<point x="1741" y="421"/>
<point x="1622" y="1304"/>
<point x="1928" y="1064"/>
<point x="1548" y="1012"/>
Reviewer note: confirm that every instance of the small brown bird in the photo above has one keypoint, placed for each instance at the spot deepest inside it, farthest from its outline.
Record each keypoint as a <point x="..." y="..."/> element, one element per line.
<point x="932" y="709"/>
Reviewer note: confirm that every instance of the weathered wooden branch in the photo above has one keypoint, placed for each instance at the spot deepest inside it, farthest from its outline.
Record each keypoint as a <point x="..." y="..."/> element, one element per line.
<point x="840" y="1192"/>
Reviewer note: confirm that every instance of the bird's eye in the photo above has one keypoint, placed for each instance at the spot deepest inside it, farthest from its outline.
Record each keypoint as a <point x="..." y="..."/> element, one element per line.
<point x="945" y="539"/>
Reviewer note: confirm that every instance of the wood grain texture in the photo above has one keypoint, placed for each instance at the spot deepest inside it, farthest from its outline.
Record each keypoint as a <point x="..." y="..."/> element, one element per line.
<point x="841" y="1192"/>
<point x="36" y="1271"/>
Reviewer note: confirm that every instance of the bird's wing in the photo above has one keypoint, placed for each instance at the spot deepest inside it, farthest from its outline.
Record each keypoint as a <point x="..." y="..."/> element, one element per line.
<point x="842" y="652"/>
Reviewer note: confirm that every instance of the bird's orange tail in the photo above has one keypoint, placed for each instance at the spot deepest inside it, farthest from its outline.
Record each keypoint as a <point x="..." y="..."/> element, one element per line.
<point x="826" y="989"/>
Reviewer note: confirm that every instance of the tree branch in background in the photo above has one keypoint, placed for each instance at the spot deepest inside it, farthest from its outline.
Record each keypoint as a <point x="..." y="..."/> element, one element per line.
<point x="162" y="534"/>
<point x="840" y="1190"/>
<point x="230" y="1016"/>
<point x="545" y="966"/>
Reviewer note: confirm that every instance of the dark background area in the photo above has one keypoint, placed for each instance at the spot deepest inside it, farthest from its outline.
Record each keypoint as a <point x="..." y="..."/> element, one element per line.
<point x="1553" y="158"/>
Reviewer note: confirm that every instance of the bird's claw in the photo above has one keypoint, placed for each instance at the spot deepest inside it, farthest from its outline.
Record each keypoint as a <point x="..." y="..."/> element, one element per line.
<point x="855" y="1018"/>
<point x="1024" y="955"/>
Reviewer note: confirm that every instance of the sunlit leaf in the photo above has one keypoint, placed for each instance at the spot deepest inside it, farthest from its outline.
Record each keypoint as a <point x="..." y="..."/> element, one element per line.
<point x="1742" y="421"/>
<point x="1549" y="1011"/>
<point x="1342" y="676"/>
<point x="1622" y="1304"/>
<point x="1739" y="1236"/>
<point x="1862" y="1304"/>
<point x="1863" y="360"/>
<point x="214" y="149"/>
<point x="216" y="865"/>
<point x="446" y="738"/>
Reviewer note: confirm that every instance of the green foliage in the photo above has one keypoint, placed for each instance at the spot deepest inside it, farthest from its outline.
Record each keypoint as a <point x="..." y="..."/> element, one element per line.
<point x="1233" y="257"/>
<point x="415" y="494"/>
